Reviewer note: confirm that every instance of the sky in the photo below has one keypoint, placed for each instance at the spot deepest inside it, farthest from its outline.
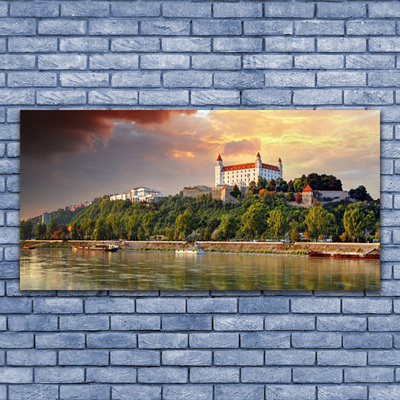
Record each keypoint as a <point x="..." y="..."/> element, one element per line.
<point x="72" y="156"/>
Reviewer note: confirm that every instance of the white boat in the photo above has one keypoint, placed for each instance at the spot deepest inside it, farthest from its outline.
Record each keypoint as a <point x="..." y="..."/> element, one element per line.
<point x="194" y="251"/>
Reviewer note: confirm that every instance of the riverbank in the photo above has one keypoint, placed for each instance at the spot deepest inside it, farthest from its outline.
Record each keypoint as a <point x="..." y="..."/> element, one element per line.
<point x="298" y="248"/>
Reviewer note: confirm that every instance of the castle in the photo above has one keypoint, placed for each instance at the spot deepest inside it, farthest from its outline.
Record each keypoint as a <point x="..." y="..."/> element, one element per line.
<point x="242" y="174"/>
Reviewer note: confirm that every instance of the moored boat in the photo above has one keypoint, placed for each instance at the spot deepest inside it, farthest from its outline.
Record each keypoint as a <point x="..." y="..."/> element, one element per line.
<point x="371" y="255"/>
<point x="97" y="247"/>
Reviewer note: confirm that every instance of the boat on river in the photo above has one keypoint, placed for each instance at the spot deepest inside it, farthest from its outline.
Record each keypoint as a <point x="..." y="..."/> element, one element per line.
<point x="373" y="254"/>
<point x="194" y="250"/>
<point x="97" y="247"/>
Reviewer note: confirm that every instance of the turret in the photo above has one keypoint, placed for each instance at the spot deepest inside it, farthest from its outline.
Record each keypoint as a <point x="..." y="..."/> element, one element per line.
<point x="218" y="171"/>
<point x="258" y="166"/>
<point x="280" y="166"/>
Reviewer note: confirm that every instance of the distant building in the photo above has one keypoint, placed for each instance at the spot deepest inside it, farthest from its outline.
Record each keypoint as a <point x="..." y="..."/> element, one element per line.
<point x="46" y="218"/>
<point x="322" y="196"/>
<point x="217" y="193"/>
<point x="242" y="174"/>
<point x="139" y="195"/>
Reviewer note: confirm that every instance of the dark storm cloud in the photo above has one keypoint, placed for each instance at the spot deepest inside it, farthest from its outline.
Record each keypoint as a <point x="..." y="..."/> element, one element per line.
<point x="47" y="134"/>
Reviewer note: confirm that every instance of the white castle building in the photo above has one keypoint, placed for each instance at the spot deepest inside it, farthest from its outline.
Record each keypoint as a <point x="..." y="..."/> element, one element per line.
<point x="242" y="174"/>
<point x="139" y="195"/>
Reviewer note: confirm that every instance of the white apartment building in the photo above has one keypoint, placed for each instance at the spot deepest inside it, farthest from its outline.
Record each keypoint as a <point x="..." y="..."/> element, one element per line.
<point x="139" y="195"/>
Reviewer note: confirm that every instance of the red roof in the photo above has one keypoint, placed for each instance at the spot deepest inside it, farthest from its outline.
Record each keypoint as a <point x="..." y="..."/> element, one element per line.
<point x="307" y="189"/>
<point x="219" y="157"/>
<point x="279" y="160"/>
<point x="258" y="154"/>
<point x="249" y="165"/>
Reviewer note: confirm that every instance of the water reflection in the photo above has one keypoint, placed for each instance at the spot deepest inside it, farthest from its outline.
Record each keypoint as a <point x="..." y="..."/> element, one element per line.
<point x="63" y="269"/>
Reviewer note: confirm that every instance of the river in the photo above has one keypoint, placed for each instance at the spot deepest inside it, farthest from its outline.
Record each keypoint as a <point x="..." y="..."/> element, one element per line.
<point x="63" y="269"/>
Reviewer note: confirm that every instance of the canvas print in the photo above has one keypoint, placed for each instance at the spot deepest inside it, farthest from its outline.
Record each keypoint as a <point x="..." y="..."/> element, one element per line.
<point x="200" y="200"/>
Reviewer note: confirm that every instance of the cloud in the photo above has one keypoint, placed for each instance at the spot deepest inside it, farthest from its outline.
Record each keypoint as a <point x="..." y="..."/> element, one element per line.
<point x="244" y="146"/>
<point x="48" y="134"/>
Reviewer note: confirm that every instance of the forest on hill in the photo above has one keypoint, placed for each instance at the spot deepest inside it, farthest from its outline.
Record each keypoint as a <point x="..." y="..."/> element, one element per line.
<point x="260" y="214"/>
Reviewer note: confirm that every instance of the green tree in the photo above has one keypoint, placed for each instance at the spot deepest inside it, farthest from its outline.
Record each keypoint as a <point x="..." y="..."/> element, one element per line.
<point x="52" y="226"/>
<point x="319" y="221"/>
<point x="360" y="194"/>
<point x="298" y="185"/>
<point x="236" y="193"/>
<point x="228" y="226"/>
<point x="353" y="221"/>
<point x="290" y="196"/>
<point x="74" y="231"/>
<point x="87" y="227"/>
<point x="294" y="233"/>
<point x="254" y="221"/>
<point x="183" y="225"/>
<point x="40" y="231"/>
<point x="148" y="224"/>
<point x="26" y="230"/>
<point x="277" y="223"/>
<point x="133" y="227"/>
<point x="272" y="185"/>
<point x="100" y="230"/>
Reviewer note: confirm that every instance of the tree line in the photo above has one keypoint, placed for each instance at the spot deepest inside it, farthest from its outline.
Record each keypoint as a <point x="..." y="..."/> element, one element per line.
<point x="260" y="214"/>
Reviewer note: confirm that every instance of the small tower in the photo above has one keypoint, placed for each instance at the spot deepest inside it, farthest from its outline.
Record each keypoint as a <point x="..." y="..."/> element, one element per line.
<point x="280" y="166"/>
<point x="218" y="171"/>
<point x="258" y="166"/>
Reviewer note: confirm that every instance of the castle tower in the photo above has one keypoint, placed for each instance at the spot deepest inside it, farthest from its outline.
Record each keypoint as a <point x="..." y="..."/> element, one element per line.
<point x="258" y="166"/>
<point x="218" y="171"/>
<point x="280" y="166"/>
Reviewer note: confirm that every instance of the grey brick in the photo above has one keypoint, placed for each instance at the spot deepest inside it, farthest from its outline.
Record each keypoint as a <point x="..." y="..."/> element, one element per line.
<point x="290" y="357"/>
<point x="386" y="323"/>
<point x="321" y="340"/>
<point x="112" y="26"/>
<point x="238" y="357"/>
<point x="84" y="323"/>
<point x="135" y="357"/>
<point x="139" y="9"/>
<point x="341" y="45"/>
<point x="288" y="10"/>
<point x="61" y="27"/>
<point x="381" y="45"/>
<point x="214" y="97"/>
<point x="346" y="10"/>
<point x="32" y="45"/>
<point x="16" y="375"/>
<point x="289" y="79"/>
<point x="186" y="357"/>
<point x="187" y="79"/>
<point x="164" y="61"/>
<point x="319" y="61"/>
<point x="384" y="10"/>
<point x="261" y="375"/>
<point x="111" y="375"/>
<point x="269" y="27"/>
<point x="324" y="306"/>
<point x="60" y="340"/>
<point x="342" y="78"/>
<point x="342" y="358"/>
<point x="179" y="98"/>
<point x="341" y="323"/>
<point x="109" y="96"/>
<point x="114" y="61"/>
<point x="31" y="357"/>
<point x="87" y="45"/>
<point x="162" y="375"/>
<point x="179" y="392"/>
<point x="187" y="323"/>
<point x="85" y="9"/>
<point x="32" y="391"/>
<point x="165" y="27"/>
<point x="109" y="305"/>
<point x="83" y="79"/>
<point x="135" y="44"/>
<point x="111" y="340"/>
<point x="36" y="9"/>
<point x="65" y="97"/>
<point x="212" y="62"/>
<point x="367" y="341"/>
<point x="370" y="61"/>
<point x="216" y="27"/>
<point x="136" y="392"/>
<point x="182" y="9"/>
<point x="368" y="97"/>
<point x="237" y="45"/>
<point x="59" y="375"/>
<point x="262" y="96"/>
<point x="214" y="375"/>
<point x="57" y="306"/>
<point x="238" y="10"/>
<point x="242" y="392"/>
<point x="289" y="323"/>
<point x="367" y="306"/>
<point x="214" y="340"/>
<point x="368" y="374"/>
<point x="93" y="391"/>
<point x="384" y="357"/>
<point x="16" y="340"/>
<point x="135" y="322"/>
<point x="317" y="27"/>
<point x="242" y="323"/>
<point x="344" y="392"/>
<point x="32" y="323"/>
<point x="19" y="26"/>
<point x="61" y="61"/>
<point x="262" y="340"/>
<point x="17" y="61"/>
<point x="317" y="375"/>
<point x="289" y="392"/>
<point x="163" y="340"/>
<point x="193" y="45"/>
<point x="286" y="45"/>
<point x="83" y="357"/>
<point x="263" y="305"/>
<point x="373" y="28"/>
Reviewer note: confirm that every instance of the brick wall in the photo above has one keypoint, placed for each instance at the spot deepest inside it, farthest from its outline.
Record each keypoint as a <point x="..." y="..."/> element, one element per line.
<point x="199" y="345"/>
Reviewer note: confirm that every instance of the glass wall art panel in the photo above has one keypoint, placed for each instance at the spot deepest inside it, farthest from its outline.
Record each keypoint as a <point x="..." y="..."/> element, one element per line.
<point x="200" y="200"/>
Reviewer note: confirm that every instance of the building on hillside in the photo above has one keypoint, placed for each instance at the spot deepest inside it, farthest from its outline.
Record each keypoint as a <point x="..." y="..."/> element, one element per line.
<point x="217" y="193"/>
<point x="323" y="196"/>
<point x="46" y="218"/>
<point x="139" y="195"/>
<point x="242" y="174"/>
